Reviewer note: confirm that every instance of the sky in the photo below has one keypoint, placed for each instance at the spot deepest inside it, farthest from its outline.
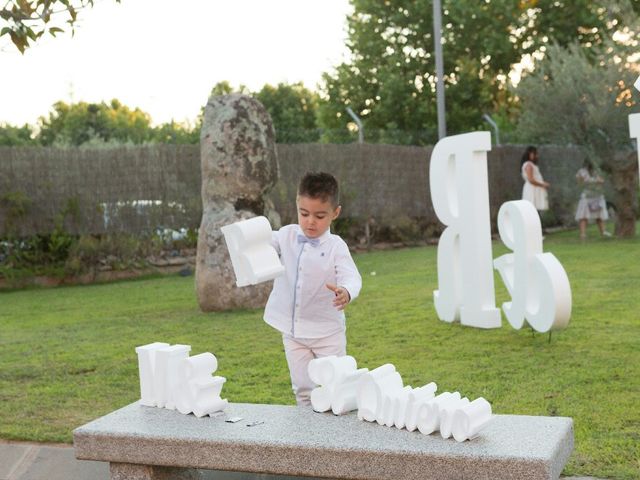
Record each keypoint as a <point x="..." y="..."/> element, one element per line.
<point x="165" y="56"/>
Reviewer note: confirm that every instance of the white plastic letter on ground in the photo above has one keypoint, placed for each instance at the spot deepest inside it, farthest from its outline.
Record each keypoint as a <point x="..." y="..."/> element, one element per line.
<point x="460" y="194"/>
<point x="253" y="257"/>
<point x="634" y="127"/>
<point x="537" y="282"/>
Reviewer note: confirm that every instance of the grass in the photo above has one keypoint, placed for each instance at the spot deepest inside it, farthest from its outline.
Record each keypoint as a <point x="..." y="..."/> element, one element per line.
<point x="67" y="354"/>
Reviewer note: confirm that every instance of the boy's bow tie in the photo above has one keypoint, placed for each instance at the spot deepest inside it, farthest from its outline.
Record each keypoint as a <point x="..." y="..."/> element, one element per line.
<point x="304" y="239"/>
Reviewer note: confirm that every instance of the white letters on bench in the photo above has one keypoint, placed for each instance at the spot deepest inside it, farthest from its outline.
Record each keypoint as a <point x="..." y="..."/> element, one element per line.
<point x="379" y="396"/>
<point x="170" y="379"/>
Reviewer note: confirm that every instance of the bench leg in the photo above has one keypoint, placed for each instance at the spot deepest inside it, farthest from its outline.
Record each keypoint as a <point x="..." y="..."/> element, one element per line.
<point x="130" y="471"/>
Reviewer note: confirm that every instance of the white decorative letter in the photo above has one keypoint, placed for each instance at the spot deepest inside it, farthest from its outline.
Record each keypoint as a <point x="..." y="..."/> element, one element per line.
<point x="460" y="195"/>
<point x="170" y="379"/>
<point x="146" y="369"/>
<point x="335" y="375"/>
<point x="198" y="391"/>
<point x="538" y="285"/>
<point x="253" y="257"/>
<point x="470" y="419"/>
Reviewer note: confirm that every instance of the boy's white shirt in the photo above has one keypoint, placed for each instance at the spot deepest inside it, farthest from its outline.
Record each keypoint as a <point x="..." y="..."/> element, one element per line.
<point x="300" y="304"/>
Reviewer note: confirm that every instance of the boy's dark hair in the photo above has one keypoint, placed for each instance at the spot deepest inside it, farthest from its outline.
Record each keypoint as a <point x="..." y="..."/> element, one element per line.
<point x="320" y="185"/>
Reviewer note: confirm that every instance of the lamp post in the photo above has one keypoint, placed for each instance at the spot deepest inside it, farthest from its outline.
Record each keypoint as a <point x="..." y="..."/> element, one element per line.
<point x="359" y="123"/>
<point x="494" y="125"/>
<point x="437" y="41"/>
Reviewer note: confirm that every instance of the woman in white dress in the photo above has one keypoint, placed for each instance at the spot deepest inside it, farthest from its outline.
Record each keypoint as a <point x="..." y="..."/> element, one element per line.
<point x="535" y="188"/>
<point x="592" y="205"/>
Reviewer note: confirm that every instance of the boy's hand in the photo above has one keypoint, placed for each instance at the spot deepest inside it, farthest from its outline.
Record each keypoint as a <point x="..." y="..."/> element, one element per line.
<point x="342" y="296"/>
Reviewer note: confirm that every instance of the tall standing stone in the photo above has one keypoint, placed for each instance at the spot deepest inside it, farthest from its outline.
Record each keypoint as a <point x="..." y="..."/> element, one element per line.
<point x="239" y="165"/>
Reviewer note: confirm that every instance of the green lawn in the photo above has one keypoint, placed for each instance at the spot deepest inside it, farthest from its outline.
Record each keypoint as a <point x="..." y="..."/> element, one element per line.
<point x="67" y="354"/>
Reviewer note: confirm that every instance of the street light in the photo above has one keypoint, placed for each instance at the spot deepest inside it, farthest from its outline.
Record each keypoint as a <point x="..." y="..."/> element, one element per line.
<point x="496" y="130"/>
<point x="437" y="40"/>
<point x="359" y="123"/>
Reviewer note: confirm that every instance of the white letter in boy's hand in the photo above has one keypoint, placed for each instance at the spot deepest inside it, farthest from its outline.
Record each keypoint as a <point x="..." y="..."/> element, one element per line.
<point x="460" y="196"/>
<point x="538" y="285"/>
<point x="253" y="257"/>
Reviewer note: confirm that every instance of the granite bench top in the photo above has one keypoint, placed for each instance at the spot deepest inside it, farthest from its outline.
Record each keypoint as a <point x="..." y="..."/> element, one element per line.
<point x="297" y="441"/>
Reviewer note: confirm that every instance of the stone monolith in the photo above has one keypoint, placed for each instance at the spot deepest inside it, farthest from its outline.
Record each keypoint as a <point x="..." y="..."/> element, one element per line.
<point x="239" y="166"/>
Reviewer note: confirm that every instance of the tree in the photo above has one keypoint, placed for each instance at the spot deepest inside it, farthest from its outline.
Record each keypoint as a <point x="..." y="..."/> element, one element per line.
<point x="225" y="88"/>
<point x="390" y="80"/>
<point x="25" y="21"/>
<point x="293" y="110"/>
<point x="177" y="134"/>
<point x="85" y="123"/>
<point x="79" y="123"/>
<point x="11" y="136"/>
<point x="584" y="98"/>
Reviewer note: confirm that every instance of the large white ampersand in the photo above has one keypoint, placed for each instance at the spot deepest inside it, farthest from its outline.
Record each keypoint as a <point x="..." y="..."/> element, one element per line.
<point x="460" y="195"/>
<point x="537" y="282"/>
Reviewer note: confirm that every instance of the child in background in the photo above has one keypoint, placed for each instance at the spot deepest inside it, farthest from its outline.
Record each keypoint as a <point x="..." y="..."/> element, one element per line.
<point x="592" y="205"/>
<point x="320" y="280"/>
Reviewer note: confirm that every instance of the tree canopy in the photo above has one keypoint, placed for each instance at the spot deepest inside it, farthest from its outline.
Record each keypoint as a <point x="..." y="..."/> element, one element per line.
<point x="584" y="98"/>
<point x="390" y="80"/>
<point x="78" y="123"/>
<point x="97" y="124"/>
<point x="11" y="136"/>
<point x="292" y="107"/>
<point x="293" y="110"/>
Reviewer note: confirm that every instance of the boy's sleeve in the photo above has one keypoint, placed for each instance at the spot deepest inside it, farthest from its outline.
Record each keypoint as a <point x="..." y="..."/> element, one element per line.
<point x="347" y="274"/>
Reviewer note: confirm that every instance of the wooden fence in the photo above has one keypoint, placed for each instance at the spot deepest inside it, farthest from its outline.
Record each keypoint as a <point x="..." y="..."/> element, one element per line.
<point x="139" y="189"/>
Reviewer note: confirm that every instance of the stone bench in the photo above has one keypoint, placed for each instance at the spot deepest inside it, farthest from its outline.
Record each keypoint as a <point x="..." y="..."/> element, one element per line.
<point x="153" y="443"/>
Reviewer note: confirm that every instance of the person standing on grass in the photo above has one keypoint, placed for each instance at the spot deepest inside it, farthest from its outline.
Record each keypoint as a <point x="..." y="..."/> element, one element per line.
<point x="592" y="205"/>
<point x="535" y="188"/>
<point x="306" y="304"/>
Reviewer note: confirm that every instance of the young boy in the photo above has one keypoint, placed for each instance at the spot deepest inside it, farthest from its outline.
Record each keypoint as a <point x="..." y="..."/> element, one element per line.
<point x="307" y="302"/>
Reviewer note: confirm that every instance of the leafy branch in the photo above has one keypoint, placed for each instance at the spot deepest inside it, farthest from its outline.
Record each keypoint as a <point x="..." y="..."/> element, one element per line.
<point x="25" y="21"/>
